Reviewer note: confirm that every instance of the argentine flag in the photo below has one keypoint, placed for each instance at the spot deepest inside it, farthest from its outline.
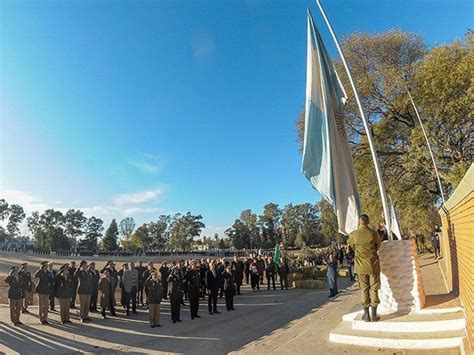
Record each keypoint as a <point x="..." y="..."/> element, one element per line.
<point x="327" y="161"/>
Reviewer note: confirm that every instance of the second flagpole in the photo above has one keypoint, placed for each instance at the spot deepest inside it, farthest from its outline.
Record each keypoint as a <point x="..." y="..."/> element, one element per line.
<point x="378" y="172"/>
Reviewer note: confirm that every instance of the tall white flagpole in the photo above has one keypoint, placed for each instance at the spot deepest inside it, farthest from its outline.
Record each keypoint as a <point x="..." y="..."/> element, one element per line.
<point x="383" y="195"/>
<point x="429" y="146"/>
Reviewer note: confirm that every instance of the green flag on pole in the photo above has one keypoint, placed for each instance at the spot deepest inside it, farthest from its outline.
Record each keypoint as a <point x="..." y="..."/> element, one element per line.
<point x="276" y="256"/>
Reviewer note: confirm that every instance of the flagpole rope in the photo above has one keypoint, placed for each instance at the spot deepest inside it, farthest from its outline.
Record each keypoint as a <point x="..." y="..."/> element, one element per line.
<point x="429" y="147"/>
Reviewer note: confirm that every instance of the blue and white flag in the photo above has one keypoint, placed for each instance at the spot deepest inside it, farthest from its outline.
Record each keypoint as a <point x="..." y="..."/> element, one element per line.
<point x="327" y="160"/>
<point x="394" y="225"/>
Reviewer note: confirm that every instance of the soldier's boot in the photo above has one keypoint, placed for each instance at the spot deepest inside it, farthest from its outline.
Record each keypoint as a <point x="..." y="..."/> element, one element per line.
<point x="373" y="314"/>
<point x="365" y="316"/>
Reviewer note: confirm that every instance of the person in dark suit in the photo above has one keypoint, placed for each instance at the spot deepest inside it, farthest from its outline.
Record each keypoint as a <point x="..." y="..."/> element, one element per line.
<point x="237" y="273"/>
<point x="183" y="274"/>
<point x="95" y="276"/>
<point x="141" y="269"/>
<point x="220" y="270"/>
<point x="165" y="272"/>
<point x="202" y="270"/>
<point x="52" y="293"/>
<point x="72" y="272"/>
<point x="212" y="286"/>
<point x="270" y="273"/>
<point x="229" y="288"/>
<point x="194" y="287"/>
<point x="175" y="293"/>
<point x="283" y="272"/>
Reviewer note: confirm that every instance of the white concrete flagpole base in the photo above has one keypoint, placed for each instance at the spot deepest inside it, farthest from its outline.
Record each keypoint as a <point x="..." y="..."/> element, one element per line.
<point x="401" y="287"/>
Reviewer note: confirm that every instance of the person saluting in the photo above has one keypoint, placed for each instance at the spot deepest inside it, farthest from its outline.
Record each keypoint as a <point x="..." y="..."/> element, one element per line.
<point x="15" y="295"/>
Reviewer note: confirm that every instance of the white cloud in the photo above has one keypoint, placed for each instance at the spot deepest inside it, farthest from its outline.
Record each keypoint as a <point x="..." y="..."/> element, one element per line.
<point x="203" y="45"/>
<point x="29" y="202"/>
<point x="137" y="197"/>
<point x="148" y="163"/>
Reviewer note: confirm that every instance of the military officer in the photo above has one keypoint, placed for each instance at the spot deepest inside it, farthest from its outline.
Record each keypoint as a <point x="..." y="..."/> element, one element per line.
<point x="64" y="289"/>
<point x="95" y="276"/>
<point x="366" y="243"/>
<point x="43" y="289"/>
<point x="154" y="294"/>
<point x="84" y="291"/>
<point x="175" y="294"/>
<point x="15" y="295"/>
<point x="27" y="285"/>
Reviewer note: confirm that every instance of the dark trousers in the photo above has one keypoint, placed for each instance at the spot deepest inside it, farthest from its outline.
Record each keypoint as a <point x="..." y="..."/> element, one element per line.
<point x="247" y="277"/>
<point x="284" y="282"/>
<point x="140" y="293"/>
<point x="237" y="288"/>
<point x="194" y="302"/>
<point x="332" y="282"/>
<point x="51" y="302"/>
<point x="126" y="300"/>
<point x="133" y="298"/>
<point x="165" y="290"/>
<point x="229" y="298"/>
<point x="254" y="281"/>
<point x="74" y="295"/>
<point x="94" y="295"/>
<point x="175" y="302"/>
<point x="271" y="277"/>
<point x="212" y="300"/>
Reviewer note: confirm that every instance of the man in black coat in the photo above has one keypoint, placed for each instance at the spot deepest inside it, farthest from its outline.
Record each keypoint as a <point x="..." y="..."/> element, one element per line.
<point x="141" y="269"/>
<point x="237" y="274"/>
<point x="95" y="276"/>
<point x="194" y="288"/>
<point x="175" y="293"/>
<point x="212" y="286"/>
<point x="220" y="271"/>
<point x="72" y="272"/>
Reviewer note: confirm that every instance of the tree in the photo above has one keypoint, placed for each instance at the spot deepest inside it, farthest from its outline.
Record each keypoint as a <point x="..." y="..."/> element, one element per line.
<point x="74" y="223"/>
<point x="183" y="230"/>
<point x="127" y="226"/>
<point x="159" y="232"/>
<point x="93" y="232"/>
<point x="270" y="223"/>
<point x="239" y="234"/>
<point x="110" y="240"/>
<point x="3" y="210"/>
<point x="16" y="216"/>
<point x="329" y="225"/>
<point x="141" y="238"/>
<point x="249" y="219"/>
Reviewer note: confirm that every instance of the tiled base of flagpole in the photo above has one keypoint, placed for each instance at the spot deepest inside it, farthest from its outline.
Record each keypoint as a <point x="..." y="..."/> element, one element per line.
<point x="401" y="287"/>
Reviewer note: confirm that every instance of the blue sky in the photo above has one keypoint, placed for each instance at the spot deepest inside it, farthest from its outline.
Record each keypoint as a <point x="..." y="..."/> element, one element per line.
<point x="148" y="107"/>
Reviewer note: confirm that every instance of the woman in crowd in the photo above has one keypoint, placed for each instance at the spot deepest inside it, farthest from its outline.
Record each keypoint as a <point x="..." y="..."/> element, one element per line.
<point x="106" y="299"/>
<point x="229" y="288"/>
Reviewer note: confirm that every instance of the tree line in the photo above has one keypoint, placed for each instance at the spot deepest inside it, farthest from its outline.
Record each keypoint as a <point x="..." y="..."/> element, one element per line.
<point x="298" y="225"/>
<point x="56" y="230"/>
<point x="293" y="225"/>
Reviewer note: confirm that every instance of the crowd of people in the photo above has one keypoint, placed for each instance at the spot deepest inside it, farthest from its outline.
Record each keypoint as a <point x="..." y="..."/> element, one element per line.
<point x="139" y="286"/>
